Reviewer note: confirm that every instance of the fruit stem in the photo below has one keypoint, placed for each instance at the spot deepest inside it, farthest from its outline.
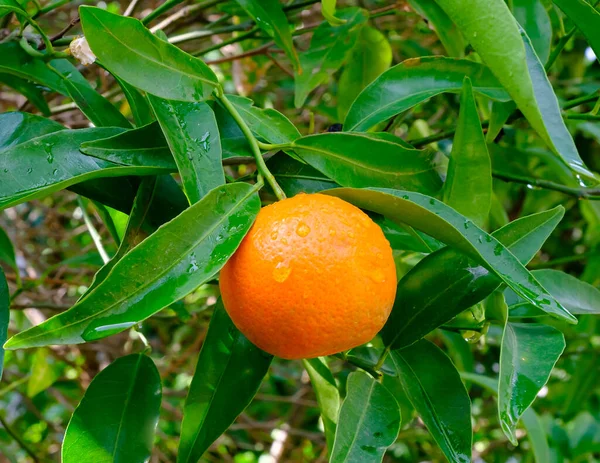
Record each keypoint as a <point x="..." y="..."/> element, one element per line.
<point x="360" y="364"/>
<point x="254" y="145"/>
<point x="382" y="358"/>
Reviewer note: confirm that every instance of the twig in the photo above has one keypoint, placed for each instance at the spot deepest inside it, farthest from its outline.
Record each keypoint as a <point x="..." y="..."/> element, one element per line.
<point x="580" y="193"/>
<point x="263" y="49"/>
<point x="18" y="440"/>
<point x="280" y="66"/>
<point x="131" y="7"/>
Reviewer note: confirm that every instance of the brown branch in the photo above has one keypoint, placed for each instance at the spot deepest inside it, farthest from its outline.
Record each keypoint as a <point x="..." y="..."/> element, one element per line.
<point x="61" y="34"/>
<point x="262" y="50"/>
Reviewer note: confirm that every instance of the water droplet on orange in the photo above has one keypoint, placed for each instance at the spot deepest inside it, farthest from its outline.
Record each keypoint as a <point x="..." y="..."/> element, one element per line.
<point x="284" y="240"/>
<point x="281" y="272"/>
<point x="378" y="276"/>
<point x="274" y="235"/>
<point x="331" y="231"/>
<point x="351" y="234"/>
<point x="302" y="230"/>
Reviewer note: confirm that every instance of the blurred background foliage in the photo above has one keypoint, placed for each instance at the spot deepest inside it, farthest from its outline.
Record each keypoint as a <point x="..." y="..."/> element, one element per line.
<point x="56" y="257"/>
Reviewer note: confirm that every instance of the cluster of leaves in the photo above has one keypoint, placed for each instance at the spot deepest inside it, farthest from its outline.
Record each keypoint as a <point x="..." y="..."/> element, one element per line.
<point x="178" y="174"/>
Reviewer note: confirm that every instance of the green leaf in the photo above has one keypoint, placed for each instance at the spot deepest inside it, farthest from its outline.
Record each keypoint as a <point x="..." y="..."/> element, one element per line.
<point x="330" y="48"/>
<point x="45" y="370"/>
<point x="443" y="223"/>
<point x="193" y="136"/>
<point x="468" y="186"/>
<point x="95" y="107"/>
<point x="194" y="246"/>
<point x="531" y="421"/>
<point x="230" y="370"/>
<point x="371" y="55"/>
<point x="451" y="38"/>
<point x="132" y="53"/>
<point x="117" y="417"/>
<point x="16" y="128"/>
<point x="577" y="296"/>
<point x="269" y="16"/>
<point x="4" y="316"/>
<point x="528" y="354"/>
<point x="53" y="162"/>
<point x="268" y="124"/>
<point x="29" y="90"/>
<point x="585" y="17"/>
<point x="369" y="421"/>
<point x="140" y="108"/>
<point x="328" y="10"/>
<point x="144" y="146"/>
<point x="414" y="81"/>
<point x="296" y="177"/>
<point x="327" y="393"/>
<point x="436" y="391"/>
<point x="495" y="34"/>
<point x="7" y="252"/>
<point x="446" y="282"/>
<point x="347" y="158"/>
<point x="533" y="17"/>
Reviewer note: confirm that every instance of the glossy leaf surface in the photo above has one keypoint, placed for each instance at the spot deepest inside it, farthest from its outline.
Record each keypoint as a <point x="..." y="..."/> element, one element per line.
<point x="416" y="80"/>
<point x="193" y="136"/>
<point x="443" y="223"/>
<point x="446" y="282"/>
<point x="369" y="421"/>
<point x="131" y="52"/>
<point x="120" y="429"/>
<point x="138" y="104"/>
<point x="329" y="49"/>
<point x="230" y="370"/>
<point x="347" y="158"/>
<point x="436" y="391"/>
<point x="207" y="234"/>
<point x="328" y="396"/>
<point x="468" y="185"/>
<point x="269" y="16"/>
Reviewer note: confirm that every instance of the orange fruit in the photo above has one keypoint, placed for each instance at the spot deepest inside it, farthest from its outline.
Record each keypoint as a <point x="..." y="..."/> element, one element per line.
<point x="313" y="276"/>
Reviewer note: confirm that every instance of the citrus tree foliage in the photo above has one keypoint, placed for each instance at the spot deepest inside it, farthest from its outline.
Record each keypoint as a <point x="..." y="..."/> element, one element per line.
<point x="138" y="143"/>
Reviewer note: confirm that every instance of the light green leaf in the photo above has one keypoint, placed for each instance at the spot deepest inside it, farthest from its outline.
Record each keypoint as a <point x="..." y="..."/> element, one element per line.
<point x="328" y="396"/>
<point x="328" y="9"/>
<point x="369" y="421"/>
<point x="468" y="186"/>
<point x="436" y="391"/>
<point x="230" y="370"/>
<point x="443" y="223"/>
<point x="132" y="53"/>
<point x="347" y="158"/>
<point x="193" y="136"/>
<point x="585" y="17"/>
<point x="45" y="370"/>
<point x="269" y="16"/>
<point x="413" y="81"/>
<point x="371" y="55"/>
<point x="117" y="417"/>
<point x="194" y="246"/>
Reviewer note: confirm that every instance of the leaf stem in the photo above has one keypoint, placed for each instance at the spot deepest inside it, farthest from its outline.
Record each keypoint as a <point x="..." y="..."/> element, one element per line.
<point x="580" y="193"/>
<point x="273" y="146"/>
<point x="18" y="440"/>
<point x="254" y="144"/>
<point x="360" y="364"/>
<point x="382" y="358"/>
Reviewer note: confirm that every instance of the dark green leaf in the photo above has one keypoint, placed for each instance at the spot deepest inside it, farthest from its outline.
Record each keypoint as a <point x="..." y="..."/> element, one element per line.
<point x="533" y="17"/>
<point x="468" y="186"/>
<point x="328" y="396"/>
<point x="268" y="124"/>
<point x="371" y="55"/>
<point x="233" y="141"/>
<point x="116" y="419"/>
<point x="329" y="49"/>
<point x="194" y="246"/>
<point x="369" y="421"/>
<point x="446" y="282"/>
<point x="140" y="108"/>
<point x="577" y="296"/>
<point x="414" y="81"/>
<point x="53" y="162"/>
<point x="131" y="52"/>
<point x="193" y="136"/>
<point x="144" y="146"/>
<point x="4" y="316"/>
<point x="436" y="391"/>
<point x="269" y="16"/>
<point x="449" y="35"/>
<point x="494" y="33"/>
<point x="585" y="17"/>
<point x="443" y="223"/>
<point x="347" y="158"/>
<point x="16" y="128"/>
<point x="228" y="374"/>
<point x="296" y="177"/>
<point x="96" y="108"/>
<point x="7" y="252"/>
<point x="29" y="90"/>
